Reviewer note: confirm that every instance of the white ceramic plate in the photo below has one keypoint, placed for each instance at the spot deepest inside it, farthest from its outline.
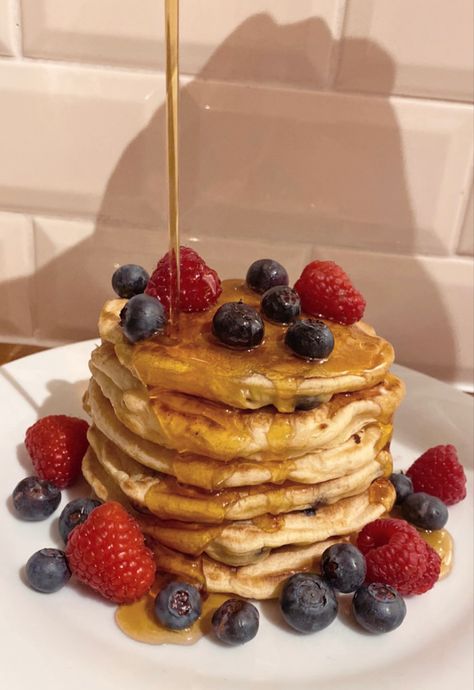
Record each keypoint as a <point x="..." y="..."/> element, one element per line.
<point x="69" y="641"/>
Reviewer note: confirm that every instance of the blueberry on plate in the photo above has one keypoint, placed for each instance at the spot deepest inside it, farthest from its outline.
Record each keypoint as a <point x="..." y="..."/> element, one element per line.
<point x="235" y="622"/>
<point x="178" y="605"/>
<point x="130" y="280"/>
<point x="35" y="499"/>
<point x="344" y="567"/>
<point x="403" y="486"/>
<point x="425" y="511"/>
<point x="265" y="274"/>
<point x="47" y="570"/>
<point x="378" y="608"/>
<point x="75" y="513"/>
<point x="142" y="317"/>
<point x="308" y="603"/>
<point x="238" y="325"/>
<point x="281" y="304"/>
<point x="310" y="339"/>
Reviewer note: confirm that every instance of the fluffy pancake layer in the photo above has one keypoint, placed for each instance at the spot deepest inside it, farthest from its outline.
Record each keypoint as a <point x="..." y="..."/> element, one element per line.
<point x="168" y="499"/>
<point x="206" y="473"/>
<point x="269" y="375"/>
<point x="193" y="425"/>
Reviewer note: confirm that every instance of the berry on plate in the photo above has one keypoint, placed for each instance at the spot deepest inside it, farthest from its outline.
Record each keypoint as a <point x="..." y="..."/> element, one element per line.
<point x="47" y="570"/>
<point x="378" y="608"/>
<point x="235" y="622"/>
<point x="265" y="274"/>
<point x="56" y="445"/>
<point x="200" y="285"/>
<point x="396" y="555"/>
<point x="343" y="566"/>
<point x="310" y="339"/>
<point x="326" y="291"/>
<point x="425" y="511"/>
<point x="402" y="484"/>
<point x="35" y="499"/>
<point x="108" y="553"/>
<point x="281" y="304"/>
<point x="75" y="513"/>
<point x="142" y="317"/>
<point x="178" y="605"/>
<point x="308" y="603"/>
<point x="439" y="473"/>
<point x="130" y="280"/>
<point x="238" y="325"/>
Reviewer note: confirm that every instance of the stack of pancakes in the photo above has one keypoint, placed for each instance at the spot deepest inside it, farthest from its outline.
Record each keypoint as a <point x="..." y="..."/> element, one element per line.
<point x="241" y="467"/>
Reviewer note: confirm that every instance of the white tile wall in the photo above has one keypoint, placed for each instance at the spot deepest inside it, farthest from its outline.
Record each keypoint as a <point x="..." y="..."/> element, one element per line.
<point x="423" y="305"/>
<point x="64" y="130"/>
<point x="7" y="28"/>
<point x="17" y="264"/>
<point x="466" y="244"/>
<point x="308" y="126"/>
<point x="325" y="167"/>
<point x="75" y="263"/>
<point x="264" y="40"/>
<point x="422" y="48"/>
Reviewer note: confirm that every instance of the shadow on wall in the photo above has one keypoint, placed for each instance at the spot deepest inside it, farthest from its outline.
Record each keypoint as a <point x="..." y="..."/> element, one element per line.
<point x="262" y="165"/>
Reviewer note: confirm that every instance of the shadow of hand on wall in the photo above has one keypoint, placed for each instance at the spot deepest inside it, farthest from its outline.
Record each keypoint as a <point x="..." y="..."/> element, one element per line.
<point x="261" y="163"/>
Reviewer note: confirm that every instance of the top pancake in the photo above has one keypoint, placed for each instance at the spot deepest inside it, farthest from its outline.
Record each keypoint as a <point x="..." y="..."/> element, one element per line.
<point x="267" y="375"/>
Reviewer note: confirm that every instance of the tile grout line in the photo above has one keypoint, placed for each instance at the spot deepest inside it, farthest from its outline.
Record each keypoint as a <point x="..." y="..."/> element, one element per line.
<point x="15" y="7"/>
<point x="462" y="214"/>
<point x="118" y="69"/>
<point x="336" y="50"/>
<point x="32" y="217"/>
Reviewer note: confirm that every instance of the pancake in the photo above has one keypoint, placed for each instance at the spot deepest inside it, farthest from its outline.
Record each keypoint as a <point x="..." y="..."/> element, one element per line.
<point x="206" y="473"/>
<point x="259" y="580"/>
<point x="193" y="425"/>
<point x="268" y="375"/>
<point x="168" y="499"/>
<point x="241" y="543"/>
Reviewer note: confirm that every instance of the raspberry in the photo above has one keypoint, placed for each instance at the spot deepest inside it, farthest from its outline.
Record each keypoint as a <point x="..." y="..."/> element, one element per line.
<point x="326" y="291"/>
<point x="56" y="445"/>
<point x="200" y="285"/>
<point x="396" y="555"/>
<point x="107" y="552"/>
<point x="439" y="473"/>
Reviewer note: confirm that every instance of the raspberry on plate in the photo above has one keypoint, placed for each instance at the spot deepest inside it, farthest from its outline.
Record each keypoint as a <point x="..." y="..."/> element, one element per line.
<point x="397" y="555"/>
<point x="108" y="553"/>
<point x="326" y="291"/>
<point x="200" y="285"/>
<point x="56" y="445"/>
<point x="439" y="473"/>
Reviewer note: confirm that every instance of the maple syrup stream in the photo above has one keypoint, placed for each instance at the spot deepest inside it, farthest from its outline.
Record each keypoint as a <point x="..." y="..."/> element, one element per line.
<point x="172" y="126"/>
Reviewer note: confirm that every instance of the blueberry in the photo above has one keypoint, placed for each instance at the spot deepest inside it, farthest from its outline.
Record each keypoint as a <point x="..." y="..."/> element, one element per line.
<point x="281" y="304"/>
<point x="235" y="622"/>
<point x="344" y="567"/>
<point x="178" y="605"/>
<point x="307" y="403"/>
<point x="403" y="486"/>
<point x="238" y="325"/>
<point x="310" y="338"/>
<point x="378" y="608"/>
<point x="47" y="570"/>
<point x="425" y="511"/>
<point x="265" y="274"/>
<point x="142" y="317"/>
<point x="75" y="513"/>
<point x="35" y="499"/>
<point x="130" y="280"/>
<point x="308" y="603"/>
